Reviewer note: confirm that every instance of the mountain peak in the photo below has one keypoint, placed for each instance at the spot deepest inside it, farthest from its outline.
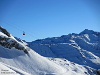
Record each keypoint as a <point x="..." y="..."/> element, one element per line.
<point x="86" y="31"/>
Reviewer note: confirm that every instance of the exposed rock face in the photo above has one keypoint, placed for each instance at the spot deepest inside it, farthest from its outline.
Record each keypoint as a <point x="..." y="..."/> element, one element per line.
<point x="8" y="42"/>
<point x="5" y="31"/>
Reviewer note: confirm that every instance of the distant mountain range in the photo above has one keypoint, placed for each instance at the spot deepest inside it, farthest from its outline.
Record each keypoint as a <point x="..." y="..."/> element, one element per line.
<point x="72" y="54"/>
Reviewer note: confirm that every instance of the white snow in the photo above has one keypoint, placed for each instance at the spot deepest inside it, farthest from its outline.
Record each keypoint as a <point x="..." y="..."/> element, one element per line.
<point x="4" y="70"/>
<point x="9" y="70"/>
<point x="32" y="61"/>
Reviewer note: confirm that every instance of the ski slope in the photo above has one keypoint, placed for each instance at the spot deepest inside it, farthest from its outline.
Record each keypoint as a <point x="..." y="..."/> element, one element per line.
<point x="31" y="63"/>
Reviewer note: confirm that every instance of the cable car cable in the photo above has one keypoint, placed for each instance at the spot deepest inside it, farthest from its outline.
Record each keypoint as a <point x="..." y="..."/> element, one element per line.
<point x="17" y="28"/>
<point x="23" y="28"/>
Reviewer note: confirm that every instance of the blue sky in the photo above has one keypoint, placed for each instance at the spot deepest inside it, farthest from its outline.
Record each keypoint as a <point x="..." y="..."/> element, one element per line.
<point x="49" y="18"/>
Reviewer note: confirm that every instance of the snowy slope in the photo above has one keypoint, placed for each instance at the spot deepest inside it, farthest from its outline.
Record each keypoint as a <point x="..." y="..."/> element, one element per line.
<point x="60" y="55"/>
<point x="9" y="70"/>
<point x="35" y="63"/>
<point x="5" y="70"/>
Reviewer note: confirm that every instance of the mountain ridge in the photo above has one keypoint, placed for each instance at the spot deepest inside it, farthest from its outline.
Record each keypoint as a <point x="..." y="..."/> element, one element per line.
<point x="86" y="45"/>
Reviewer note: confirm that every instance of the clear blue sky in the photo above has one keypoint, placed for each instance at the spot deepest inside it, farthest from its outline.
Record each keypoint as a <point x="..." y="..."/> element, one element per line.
<point x="49" y="18"/>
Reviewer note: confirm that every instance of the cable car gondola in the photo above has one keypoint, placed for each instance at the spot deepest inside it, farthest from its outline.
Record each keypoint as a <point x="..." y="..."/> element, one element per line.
<point x="23" y="33"/>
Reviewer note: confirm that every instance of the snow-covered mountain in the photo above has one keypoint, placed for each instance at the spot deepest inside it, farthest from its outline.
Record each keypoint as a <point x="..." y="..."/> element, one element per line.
<point x="82" y="48"/>
<point x="73" y="54"/>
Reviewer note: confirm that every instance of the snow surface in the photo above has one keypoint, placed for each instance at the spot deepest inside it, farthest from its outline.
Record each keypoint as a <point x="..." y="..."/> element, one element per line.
<point x="73" y="54"/>
<point x="31" y="63"/>
<point x="9" y="70"/>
